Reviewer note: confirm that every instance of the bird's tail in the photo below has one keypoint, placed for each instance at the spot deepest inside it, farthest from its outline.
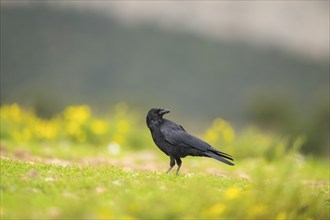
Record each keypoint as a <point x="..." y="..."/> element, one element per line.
<point x="220" y="156"/>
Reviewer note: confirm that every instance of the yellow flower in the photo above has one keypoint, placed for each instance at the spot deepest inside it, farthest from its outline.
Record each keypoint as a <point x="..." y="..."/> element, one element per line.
<point x="120" y="139"/>
<point x="12" y="112"/>
<point x="232" y="193"/>
<point x="220" y="130"/>
<point x="72" y="128"/>
<point x="79" y="114"/>
<point x="211" y="136"/>
<point x="99" y="127"/>
<point x="45" y="129"/>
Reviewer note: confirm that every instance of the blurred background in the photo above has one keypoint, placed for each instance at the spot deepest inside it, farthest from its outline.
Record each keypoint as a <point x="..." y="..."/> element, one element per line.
<point x="264" y="63"/>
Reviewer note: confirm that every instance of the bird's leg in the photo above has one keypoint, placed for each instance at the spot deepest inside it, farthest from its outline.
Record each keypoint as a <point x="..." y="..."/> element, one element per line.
<point x="179" y="162"/>
<point x="172" y="163"/>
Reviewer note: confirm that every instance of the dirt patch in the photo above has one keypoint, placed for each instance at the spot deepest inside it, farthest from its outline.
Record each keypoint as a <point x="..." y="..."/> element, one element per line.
<point x="143" y="161"/>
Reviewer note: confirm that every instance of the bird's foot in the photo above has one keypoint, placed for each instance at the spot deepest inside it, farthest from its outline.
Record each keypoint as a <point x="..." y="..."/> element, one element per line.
<point x="177" y="171"/>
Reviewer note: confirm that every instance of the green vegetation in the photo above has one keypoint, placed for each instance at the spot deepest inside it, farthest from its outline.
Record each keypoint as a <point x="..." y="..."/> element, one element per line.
<point x="76" y="165"/>
<point x="99" y="191"/>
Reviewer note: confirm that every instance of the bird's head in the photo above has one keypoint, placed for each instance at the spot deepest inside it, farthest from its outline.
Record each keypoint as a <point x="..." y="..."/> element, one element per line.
<point x="155" y="116"/>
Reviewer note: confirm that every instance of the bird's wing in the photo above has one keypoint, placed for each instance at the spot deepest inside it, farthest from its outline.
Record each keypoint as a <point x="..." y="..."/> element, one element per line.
<point x="176" y="135"/>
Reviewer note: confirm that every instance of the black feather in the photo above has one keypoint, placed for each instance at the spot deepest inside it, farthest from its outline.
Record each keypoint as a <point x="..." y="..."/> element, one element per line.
<point x="217" y="157"/>
<point x="175" y="142"/>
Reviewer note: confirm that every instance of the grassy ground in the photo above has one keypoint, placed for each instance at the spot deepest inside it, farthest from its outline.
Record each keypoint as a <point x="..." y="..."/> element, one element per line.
<point x="76" y="166"/>
<point x="205" y="189"/>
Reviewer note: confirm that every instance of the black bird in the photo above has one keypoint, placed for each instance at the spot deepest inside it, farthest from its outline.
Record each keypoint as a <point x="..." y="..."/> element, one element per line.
<point x="175" y="142"/>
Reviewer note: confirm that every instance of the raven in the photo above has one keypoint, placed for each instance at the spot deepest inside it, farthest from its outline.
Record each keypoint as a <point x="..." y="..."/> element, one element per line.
<point x="175" y="142"/>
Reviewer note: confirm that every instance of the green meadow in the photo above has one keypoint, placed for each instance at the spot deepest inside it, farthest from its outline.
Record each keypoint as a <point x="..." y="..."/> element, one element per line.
<point x="80" y="166"/>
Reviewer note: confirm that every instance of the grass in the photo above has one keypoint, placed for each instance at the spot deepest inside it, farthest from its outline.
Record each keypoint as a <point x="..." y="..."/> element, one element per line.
<point x="39" y="190"/>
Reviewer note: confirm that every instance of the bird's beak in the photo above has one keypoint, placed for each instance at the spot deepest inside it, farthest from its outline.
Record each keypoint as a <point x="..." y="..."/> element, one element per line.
<point x="164" y="111"/>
